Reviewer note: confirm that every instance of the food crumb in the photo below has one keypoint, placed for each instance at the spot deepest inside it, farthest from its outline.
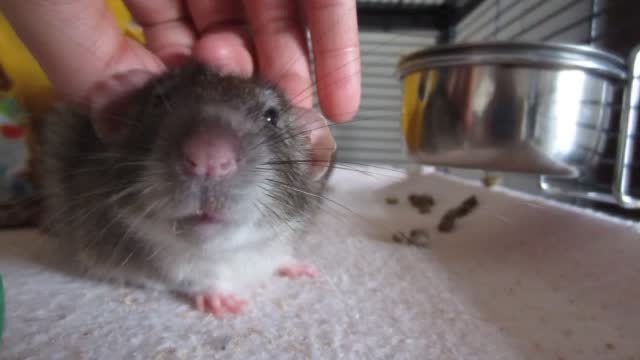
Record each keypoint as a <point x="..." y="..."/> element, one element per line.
<point x="399" y="238"/>
<point x="491" y="180"/>
<point x="169" y="353"/>
<point x="129" y="300"/>
<point x="416" y="237"/>
<point x="391" y="200"/>
<point x="419" y="237"/>
<point x="224" y="342"/>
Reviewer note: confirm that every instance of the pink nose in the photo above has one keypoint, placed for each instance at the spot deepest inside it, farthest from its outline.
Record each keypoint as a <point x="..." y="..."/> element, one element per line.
<point x="210" y="153"/>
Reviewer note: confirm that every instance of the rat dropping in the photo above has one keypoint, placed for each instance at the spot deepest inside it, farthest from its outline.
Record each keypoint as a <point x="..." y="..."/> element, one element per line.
<point x="422" y="202"/>
<point x="447" y="223"/>
<point x="399" y="238"/>
<point x="467" y="206"/>
<point x="449" y="218"/>
<point x="391" y="200"/>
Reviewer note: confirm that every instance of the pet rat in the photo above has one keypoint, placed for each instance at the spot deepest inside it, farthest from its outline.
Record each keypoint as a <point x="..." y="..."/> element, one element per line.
<point x="196" y="182"/>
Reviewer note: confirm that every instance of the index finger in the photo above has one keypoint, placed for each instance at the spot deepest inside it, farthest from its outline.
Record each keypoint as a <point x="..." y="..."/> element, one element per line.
<point x="281" y="47"/>
<point x="336" y="48"/>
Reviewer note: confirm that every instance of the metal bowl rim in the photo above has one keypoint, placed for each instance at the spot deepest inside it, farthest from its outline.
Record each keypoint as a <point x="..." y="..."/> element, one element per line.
<point x="533" y="54"/>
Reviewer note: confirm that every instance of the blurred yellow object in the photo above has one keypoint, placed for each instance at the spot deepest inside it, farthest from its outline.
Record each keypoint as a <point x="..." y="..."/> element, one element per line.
<point x="29" y="84"/>
<point x="412" y="106"/>
<point x="25" y="86"/>
<point x="417" y="88"/>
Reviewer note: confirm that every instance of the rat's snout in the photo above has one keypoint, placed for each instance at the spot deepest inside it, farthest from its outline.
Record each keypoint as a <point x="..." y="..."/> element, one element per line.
<point x="211" y="153"/>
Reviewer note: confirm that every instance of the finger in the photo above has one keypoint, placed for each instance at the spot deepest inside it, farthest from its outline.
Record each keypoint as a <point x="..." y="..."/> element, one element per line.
<point x="227" y="49"/>
<point x="334" y="37"/>
<point x="169" y="32"/>
<point x="77" y="42"/>
<point x="281" y="47"/>
<point x="224" y="39"/>
<point x="323" y="145"/>
<point x="209" y="14"/>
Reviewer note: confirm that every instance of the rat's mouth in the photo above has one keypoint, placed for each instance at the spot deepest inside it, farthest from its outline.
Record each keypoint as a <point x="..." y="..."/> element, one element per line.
<point x="204" y="217"/>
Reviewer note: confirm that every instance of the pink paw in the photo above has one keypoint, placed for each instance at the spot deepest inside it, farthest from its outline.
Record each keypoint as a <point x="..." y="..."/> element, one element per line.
<point x="218" y="303"/>
<point x="298" y="270"/>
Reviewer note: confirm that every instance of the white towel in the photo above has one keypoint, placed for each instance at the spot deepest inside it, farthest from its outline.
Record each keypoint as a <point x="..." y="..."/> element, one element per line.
<point x="519" y="278"/>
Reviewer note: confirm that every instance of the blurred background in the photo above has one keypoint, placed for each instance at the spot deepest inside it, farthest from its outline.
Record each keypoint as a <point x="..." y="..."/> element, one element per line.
<point x="389" y="29"/>
<point x="392" y="28"/>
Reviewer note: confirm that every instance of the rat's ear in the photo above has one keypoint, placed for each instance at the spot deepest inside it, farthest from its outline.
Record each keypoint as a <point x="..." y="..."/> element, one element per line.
<point x="317" y="131"/>
<point x="110" y="101"/>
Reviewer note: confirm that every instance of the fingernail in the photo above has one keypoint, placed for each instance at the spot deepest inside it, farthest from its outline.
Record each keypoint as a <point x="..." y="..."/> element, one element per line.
<point x="175" y="57"/>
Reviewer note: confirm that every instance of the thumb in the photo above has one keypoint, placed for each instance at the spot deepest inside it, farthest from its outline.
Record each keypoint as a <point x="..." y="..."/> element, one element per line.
<point x="78" y="43"/>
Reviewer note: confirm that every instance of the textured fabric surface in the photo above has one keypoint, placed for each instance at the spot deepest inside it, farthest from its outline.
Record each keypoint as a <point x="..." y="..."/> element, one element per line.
<point x="519" y="278"/>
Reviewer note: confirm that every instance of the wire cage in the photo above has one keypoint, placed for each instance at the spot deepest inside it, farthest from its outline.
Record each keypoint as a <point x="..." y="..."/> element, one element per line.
<point x="391" y="28"/>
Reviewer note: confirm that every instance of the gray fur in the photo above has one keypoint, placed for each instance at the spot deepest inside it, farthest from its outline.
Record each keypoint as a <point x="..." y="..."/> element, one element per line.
<point x="114" y="207"/>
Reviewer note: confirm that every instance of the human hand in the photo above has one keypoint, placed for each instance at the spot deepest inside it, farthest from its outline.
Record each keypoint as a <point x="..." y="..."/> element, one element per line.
<point x="79" y="45"/>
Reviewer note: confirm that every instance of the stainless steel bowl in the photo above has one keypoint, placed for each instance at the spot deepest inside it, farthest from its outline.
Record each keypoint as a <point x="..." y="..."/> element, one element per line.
<point x="546" y="109"/>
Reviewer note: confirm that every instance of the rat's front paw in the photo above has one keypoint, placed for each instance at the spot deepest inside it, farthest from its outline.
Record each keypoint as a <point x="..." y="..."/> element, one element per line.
<point x="220" y="303"/>
<point x="298" y="270"/>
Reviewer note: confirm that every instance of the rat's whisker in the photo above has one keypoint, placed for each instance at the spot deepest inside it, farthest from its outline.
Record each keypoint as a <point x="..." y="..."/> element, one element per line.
<point x="310" y="194"/>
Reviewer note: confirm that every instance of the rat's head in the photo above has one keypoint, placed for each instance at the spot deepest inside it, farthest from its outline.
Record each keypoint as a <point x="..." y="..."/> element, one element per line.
<point x="208" y="150"/>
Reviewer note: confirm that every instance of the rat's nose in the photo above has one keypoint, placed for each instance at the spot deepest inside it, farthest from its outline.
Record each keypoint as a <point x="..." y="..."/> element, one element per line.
<point x="210" y="153"/>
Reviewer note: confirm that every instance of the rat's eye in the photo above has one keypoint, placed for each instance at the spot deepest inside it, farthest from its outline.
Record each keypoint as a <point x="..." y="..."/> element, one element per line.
<point x="272" y="116"/>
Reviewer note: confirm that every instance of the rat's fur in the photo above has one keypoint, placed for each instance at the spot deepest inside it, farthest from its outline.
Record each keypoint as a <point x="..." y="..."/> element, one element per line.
<point x="114" y="206"/>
